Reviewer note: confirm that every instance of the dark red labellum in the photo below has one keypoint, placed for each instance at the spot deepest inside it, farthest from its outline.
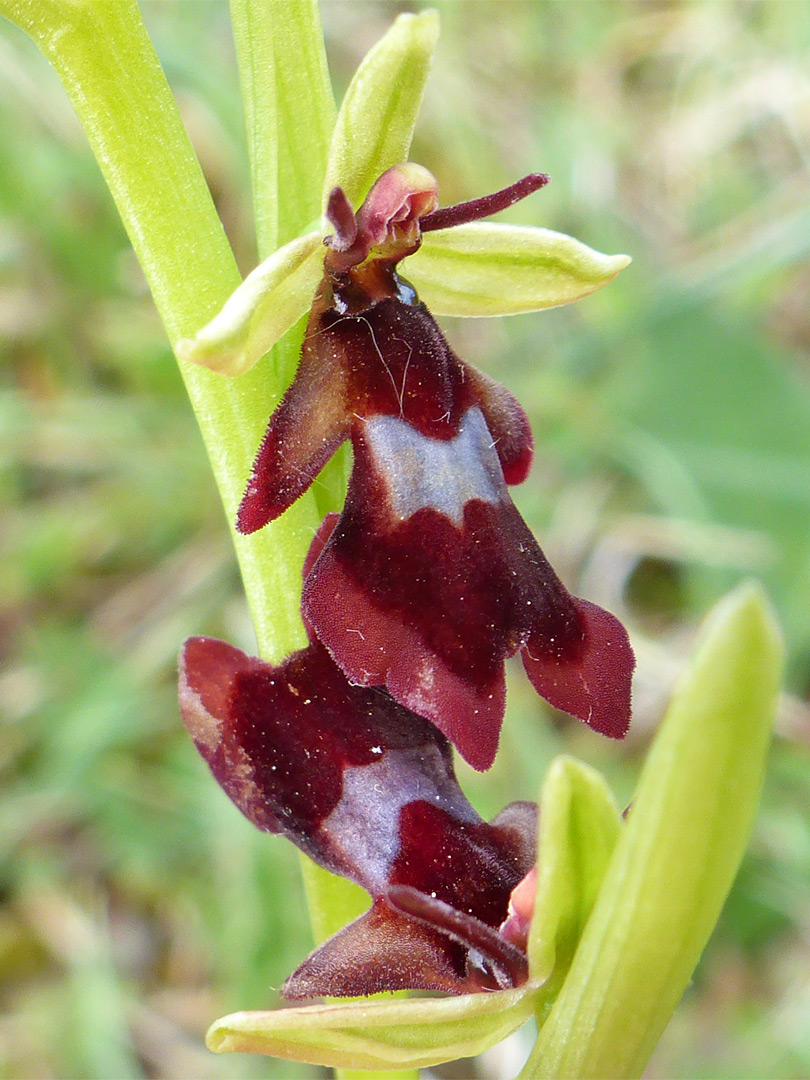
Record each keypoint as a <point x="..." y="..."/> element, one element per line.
<point x="367" y="789"/>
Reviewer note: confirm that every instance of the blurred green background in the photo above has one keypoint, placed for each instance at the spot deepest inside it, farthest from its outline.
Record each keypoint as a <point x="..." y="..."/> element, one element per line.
<point x="672" y="416"/>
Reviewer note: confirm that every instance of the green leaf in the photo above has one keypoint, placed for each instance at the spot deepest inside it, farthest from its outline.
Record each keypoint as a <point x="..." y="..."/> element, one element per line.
<point x="376" y="1035"/>
<point x="376" y="120"/>
<point x="678" y="854"/>
<point x="490" y="269"/>
<point x="269" y="301"/>
<point x="579" y="827"/>
<point x="289" y="112"/>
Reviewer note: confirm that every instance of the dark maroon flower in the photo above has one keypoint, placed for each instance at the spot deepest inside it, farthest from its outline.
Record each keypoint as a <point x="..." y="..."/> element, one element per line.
<point x="367" y="789"/>
<point x="430" y="578"/>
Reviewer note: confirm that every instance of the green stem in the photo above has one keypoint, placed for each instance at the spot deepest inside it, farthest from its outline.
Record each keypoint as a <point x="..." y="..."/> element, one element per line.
<point x="289" y="113"/>
<point x="107" y="64"/>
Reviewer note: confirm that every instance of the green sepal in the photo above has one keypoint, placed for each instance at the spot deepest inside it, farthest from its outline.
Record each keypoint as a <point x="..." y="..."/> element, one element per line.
<point x="400" y="1034"/>
<point x="269" y="301"/>
<point x="677" y="856"/>
<point x="489" y="269"/>
<point x="375" y="124"/>
<point x="579" y="826"/>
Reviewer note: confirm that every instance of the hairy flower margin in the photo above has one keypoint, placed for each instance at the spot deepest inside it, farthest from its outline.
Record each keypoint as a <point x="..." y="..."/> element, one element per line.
<point x="671" y="867"/>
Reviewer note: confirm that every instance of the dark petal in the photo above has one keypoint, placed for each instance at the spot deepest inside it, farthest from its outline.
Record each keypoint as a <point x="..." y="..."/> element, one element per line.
<point x="592" y="682"/>
<point x="209" y="673"/>
<point x="325" y="530"/>
<point x="381" y="951"/>
<point x="508" y="962"/>
<point x="367" y="789"/>
<point x="431" y="579"/>
<point x="390" y="359"/>
<point x="517" y="826"/>
<point x="375" y="646"/>
<point x="396" y="362"/>
<point x="303" y="752"/>
<point x="507" y="423"/>
<point x="469" y="865"/>
<point x="449" y="216"/>
<point x="304" y="432"/>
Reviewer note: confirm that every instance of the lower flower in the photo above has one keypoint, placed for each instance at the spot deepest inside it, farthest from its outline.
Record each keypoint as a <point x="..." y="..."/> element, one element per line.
<point x="365" y="788"/>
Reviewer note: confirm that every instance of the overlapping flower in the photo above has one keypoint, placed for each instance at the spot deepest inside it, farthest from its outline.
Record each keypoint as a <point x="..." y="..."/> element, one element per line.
<point x="413" y="597"/>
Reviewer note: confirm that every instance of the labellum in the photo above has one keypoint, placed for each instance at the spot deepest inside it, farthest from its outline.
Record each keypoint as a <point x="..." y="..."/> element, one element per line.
<point x="367" y="789"/>
<point x="429" y="579"/>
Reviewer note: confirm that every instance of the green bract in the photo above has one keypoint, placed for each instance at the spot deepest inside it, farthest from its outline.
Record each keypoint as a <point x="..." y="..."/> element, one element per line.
<point x="403" y="1034"/>
<point x="491" y="269"/>
<point x="476" y="269"/>
<point x="268" y="302"/>
<point x="579" y="826"/>
<point x="375" y="124"/>
<point x="678" y="855"/>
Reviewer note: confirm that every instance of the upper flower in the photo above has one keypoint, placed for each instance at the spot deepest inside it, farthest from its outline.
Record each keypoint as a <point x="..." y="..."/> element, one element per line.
<point x="430" y="578"/>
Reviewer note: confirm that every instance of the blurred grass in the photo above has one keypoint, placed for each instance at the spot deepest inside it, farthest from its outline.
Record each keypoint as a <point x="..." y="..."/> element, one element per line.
<point x="672" y="415"/>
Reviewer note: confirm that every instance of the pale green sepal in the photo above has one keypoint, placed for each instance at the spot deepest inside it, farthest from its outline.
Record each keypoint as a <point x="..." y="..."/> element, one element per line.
<point x="376" y="120"/>
<point x="400" y="1034"/>
<point x="677" y="856"/>
<point x="269" y="301"/>
<point x="489" y="269"/>
<point x="579" y="827"/>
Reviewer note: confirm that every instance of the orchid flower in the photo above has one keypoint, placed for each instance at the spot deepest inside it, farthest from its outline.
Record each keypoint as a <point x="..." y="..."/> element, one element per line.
<point x="366" y="789"/>
<point x="430" y="578"/>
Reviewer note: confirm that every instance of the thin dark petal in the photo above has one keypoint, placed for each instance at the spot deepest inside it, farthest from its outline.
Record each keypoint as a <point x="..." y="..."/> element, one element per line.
<point x="304" y="432"/>
<point x="449" y="216"/>
<point x="508" y="425"/>
<point x="340" y="213"/>
<point x="381" y="951"/>
<point x="509" y="961"/>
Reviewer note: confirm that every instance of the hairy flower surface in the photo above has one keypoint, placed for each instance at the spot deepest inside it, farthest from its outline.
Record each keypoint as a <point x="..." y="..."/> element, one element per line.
<point x="430" y="578"/>
<point x="367" y="789"/>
